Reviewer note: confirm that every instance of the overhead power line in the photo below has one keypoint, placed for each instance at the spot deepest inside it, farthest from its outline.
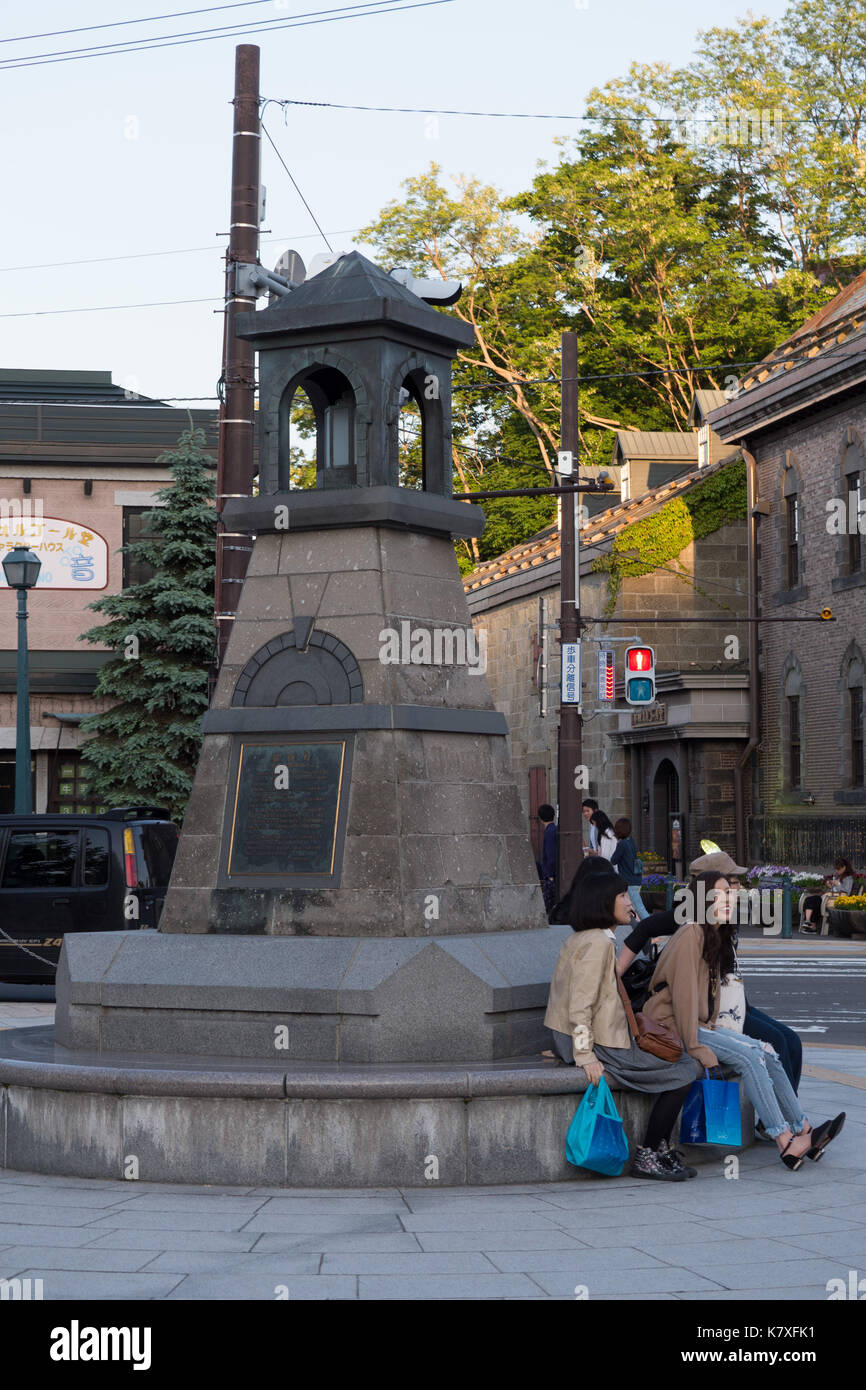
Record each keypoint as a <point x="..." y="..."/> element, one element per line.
<point x="267" y="133"/>
<point x="176" y="251"/>
<point x="145" y="19"/>
<point x="369" y="9"/>
<point x="683" y="117"/>
<point x="104" y="308"/>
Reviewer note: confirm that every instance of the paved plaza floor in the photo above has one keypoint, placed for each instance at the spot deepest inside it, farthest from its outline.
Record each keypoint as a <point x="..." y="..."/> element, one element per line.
<point x="750" y="1230"/>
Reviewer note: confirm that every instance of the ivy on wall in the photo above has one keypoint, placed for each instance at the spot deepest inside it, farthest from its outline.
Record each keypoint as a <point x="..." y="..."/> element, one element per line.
<point x="655" y="541"/>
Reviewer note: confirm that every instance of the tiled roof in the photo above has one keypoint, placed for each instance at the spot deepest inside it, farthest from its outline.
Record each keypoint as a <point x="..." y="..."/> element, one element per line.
<point x="544" y="547"/>
<point x="805" y="352"/>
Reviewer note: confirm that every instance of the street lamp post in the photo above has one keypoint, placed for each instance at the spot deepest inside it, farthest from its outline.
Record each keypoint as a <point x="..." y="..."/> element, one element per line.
<point x="21" y="568"/>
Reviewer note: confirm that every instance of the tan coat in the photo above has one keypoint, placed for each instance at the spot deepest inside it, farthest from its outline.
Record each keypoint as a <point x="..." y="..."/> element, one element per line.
<point x="584" y="1001"/>
<point x="684" y="1002"/>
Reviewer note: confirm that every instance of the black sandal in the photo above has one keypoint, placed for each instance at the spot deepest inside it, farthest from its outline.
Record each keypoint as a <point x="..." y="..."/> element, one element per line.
<point x="824" y="1135"/>
<point x="792" y="1161"/>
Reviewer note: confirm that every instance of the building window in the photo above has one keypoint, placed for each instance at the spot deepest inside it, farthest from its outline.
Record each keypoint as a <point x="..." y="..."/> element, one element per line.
<point x="794" y="758"/>
<point x="703" y="446"/>
<point x="136" y="529"/>
<point x="855" y="548"/>
<point x="792" y="539"/>
<point x="69" y="790"/>
<point x="855" y="713"/>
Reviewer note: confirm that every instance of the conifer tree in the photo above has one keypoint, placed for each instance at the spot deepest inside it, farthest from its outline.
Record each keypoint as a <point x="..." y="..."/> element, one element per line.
<point x="144" y="748"/>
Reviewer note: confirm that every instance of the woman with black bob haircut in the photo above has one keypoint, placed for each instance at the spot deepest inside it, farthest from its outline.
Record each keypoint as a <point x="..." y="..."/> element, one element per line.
<point x="586" y="1017"/>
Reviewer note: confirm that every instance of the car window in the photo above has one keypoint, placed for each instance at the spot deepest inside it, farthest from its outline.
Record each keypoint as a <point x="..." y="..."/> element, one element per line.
<point x="96" y="858"/>
<point x="157" y="844"/>
<point x="40" y="859"/>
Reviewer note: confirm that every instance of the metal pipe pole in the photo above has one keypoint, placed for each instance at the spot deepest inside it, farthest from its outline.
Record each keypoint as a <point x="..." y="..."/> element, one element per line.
<point x="570" y="752"/>
<point x="23" y="779"/>
<point x="235" y="464"/>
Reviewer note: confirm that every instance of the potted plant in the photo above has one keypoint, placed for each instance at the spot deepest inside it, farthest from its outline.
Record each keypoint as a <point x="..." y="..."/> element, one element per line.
<point x="847" y="916"/>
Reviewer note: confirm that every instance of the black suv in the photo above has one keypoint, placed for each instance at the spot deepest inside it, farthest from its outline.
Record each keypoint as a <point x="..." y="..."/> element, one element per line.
<point x="61" y="873"/>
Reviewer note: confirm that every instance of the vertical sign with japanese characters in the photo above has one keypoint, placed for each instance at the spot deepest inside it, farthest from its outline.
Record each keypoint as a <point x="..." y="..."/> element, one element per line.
<point x="73" y="556"/>
<point x="570" y="692"/>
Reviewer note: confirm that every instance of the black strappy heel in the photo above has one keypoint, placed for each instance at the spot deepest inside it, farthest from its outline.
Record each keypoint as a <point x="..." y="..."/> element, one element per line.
<point x="792" y="1161"/>
<point x="823" y="1136"/>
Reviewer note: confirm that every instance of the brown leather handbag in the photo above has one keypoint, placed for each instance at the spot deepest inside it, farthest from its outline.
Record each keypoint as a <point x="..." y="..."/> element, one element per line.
<point x="650" y="1036"/>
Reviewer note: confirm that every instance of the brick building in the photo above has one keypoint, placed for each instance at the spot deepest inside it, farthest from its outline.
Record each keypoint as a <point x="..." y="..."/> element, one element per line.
<point x="672" y="762"/>
<point x="78" y="472"/>
<point x="802" y="414"/>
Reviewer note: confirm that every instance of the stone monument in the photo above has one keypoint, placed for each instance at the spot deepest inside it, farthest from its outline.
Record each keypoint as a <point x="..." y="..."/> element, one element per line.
<point x="354" y="839"/>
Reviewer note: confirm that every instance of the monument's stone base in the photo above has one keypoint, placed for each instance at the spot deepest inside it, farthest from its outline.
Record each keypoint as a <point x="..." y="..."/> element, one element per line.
<point x="228" y="1122"/>
<point x="314" y="999"/>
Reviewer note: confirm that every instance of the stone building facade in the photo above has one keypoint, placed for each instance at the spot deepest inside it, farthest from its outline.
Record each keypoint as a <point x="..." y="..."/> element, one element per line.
<point x="802" y="414"/>
<point x="672" y="762"/>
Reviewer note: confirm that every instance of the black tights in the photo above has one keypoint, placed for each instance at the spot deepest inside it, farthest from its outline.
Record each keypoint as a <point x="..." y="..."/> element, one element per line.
<point x="663" y="1115"/>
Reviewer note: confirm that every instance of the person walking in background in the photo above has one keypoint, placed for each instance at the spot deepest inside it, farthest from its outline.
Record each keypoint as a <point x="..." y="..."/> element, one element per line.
<point x="624" y="859"/>
<point x="684" y="995"/>
<point x="547" y="814"/>
<point x="586" y="1017"/>
<point x="589" y="809"/>
<point x="604" y="832"/>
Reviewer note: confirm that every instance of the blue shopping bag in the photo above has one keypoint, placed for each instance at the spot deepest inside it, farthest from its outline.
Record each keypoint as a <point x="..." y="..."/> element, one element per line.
<point x="711" y="1114"/>
<point x="596" y="1138"/>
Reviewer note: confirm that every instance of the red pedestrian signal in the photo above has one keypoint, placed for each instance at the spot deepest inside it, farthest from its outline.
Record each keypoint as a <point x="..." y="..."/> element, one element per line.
<point x="640" y="675"/>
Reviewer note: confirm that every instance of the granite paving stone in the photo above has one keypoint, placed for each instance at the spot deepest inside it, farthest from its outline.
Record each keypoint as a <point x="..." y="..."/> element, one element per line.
<point x="63" y="1285"/>
<point x="434" y="1286"/>
<point x="228" y="1262"/>
<point x="664" y="1279"/>
<point x="168" y="1221"/>
<point x="442" y="1262"/>
<point x="321" y="1223"/>
<point x="498" y="1240"/>
<point x="15" y="1213"/>
<point x="58" y="1257"/>
<point x="844" y="1245"/>
<point x="264" y="1287"/>
<point x="398" y="1242"/>
<point x="191" y="1241"/>
<point x="584" y="1262"/>
<point x="779" y="1274"/>
<point x="68" y="1236"/>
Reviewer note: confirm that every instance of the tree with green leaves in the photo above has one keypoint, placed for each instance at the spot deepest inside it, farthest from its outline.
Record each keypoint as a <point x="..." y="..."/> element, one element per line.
<point x="145" y="746"/>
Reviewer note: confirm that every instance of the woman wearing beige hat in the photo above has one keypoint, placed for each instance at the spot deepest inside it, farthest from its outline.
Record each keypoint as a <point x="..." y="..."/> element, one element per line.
<point x="757" y="1024"/>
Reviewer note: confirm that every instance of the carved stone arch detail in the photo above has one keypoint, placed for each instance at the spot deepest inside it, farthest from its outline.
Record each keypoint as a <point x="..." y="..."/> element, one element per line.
<point x="435" y="437"/>
<point x="324" y="672"/>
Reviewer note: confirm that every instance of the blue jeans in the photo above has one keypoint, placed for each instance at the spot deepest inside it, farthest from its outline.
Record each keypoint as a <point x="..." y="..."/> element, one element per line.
<point x="789" y="1047"/>
<point x="636" y="900"/>
<point x="764" y="1078"/>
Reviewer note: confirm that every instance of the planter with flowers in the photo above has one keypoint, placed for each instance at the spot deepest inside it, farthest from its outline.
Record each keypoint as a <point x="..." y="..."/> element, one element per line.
<point x="847" y="916"/>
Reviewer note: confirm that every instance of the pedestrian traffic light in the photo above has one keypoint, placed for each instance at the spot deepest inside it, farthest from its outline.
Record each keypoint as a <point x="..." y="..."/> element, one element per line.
<point x="640" y="675"/>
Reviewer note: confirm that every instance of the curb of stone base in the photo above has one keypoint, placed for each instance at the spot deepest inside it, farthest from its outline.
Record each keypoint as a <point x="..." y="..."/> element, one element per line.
<point x="235" y="1077"/>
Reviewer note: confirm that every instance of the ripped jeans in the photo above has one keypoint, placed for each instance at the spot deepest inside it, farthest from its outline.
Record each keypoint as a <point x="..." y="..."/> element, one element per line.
<point x="764" y="1078"/>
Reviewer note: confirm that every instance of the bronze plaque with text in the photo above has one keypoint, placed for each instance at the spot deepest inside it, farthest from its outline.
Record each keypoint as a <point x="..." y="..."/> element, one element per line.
<point x="286" y="809"/>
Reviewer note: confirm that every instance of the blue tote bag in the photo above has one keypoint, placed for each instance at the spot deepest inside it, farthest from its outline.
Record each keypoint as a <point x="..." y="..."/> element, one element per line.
<point x="711" y="1114"/>
<point x="596" y="1138"/>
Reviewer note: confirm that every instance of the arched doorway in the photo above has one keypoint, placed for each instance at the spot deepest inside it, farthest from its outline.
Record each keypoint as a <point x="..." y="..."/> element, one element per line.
<point x="666" y="801"/>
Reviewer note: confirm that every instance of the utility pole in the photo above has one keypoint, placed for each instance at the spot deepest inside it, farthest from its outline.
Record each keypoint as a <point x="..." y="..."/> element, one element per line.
<point x="569" y="754"/>
<point x="235" y="467"/>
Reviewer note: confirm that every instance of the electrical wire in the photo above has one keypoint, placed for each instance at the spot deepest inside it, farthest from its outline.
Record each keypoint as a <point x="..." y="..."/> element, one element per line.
<point x="145" y="19"/>
<point x="226" y="31"/>
<point x="267" y="133"/>
<point x="104" y="308"/>
<point x="177" y="251"/>
<point x="684" y="118"/>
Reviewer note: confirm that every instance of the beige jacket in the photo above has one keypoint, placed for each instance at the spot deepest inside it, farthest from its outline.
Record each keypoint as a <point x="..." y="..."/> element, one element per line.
<point x="684" y="1002"/>
<point x="584" y="1001"/>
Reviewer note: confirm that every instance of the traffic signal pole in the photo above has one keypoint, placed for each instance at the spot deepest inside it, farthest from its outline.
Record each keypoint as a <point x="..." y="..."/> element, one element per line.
<point x="570" y="742"/>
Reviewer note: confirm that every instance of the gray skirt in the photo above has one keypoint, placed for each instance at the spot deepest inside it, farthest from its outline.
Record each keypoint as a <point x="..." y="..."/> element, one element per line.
<point x="630" y="1067"/>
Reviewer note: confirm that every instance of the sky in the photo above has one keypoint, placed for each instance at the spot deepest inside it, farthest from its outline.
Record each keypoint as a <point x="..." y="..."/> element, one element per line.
<point x="109" y="160"/>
